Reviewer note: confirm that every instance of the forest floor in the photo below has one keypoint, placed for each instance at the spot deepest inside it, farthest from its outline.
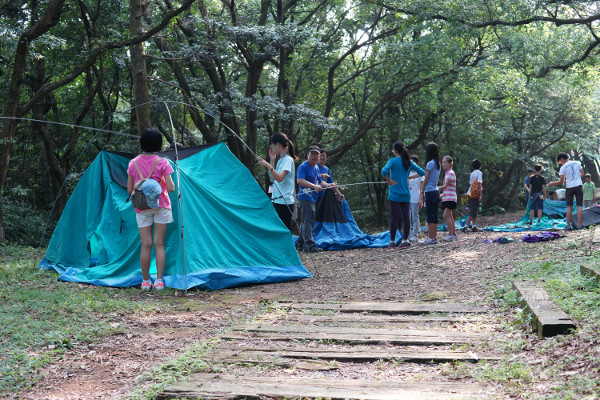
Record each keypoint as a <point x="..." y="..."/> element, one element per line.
<point x="150" y="348"/>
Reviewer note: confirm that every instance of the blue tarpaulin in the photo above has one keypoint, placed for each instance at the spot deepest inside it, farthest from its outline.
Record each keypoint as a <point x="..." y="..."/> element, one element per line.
<point x="336" y="229"/>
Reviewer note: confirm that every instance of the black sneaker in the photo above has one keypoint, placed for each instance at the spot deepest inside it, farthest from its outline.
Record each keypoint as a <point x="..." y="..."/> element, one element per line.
<point x="475" y="229"/>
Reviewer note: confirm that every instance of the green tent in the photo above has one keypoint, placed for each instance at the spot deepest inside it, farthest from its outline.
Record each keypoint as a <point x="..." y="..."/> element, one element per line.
<point x="232" y="235"/>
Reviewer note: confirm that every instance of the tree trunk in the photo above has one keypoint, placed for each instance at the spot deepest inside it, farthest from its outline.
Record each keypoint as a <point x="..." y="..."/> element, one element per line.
<point x="591" y="167"/>
<point x="48" y="20"/>
<point x="490" y="195"/>
<point x="285" y="125"/>
<point x="56" y="175"/>
<point x="137" y="9"/>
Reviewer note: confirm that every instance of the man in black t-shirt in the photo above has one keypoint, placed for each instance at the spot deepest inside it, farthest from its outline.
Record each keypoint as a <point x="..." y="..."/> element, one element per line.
<point x="537" y="194"/>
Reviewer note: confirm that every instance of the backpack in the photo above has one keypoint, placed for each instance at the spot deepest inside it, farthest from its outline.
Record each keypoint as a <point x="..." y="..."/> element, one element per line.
<point x="474" y="192"/>
<point x="138" y="198"/>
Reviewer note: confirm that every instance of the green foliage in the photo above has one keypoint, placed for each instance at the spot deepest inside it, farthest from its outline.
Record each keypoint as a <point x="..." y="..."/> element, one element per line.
<point x="24" y="225"/>
<point x="513" y="373"/>
<point x="353" y="76"/>
<point x="42" y="318"/>
<point x="557" y="270"/>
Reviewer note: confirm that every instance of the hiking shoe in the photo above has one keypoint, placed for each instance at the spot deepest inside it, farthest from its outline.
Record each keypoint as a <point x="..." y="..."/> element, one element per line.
<point x="146" y="285"/>
<point x="447" y="238"/>
<point x="159" y="284"/>
<point x="428" y="241"/>
<point x="475" y="229"/>
<point x="413" y="239"/>
<point x="392" y="245"/>
<point x="453" y="238"/>
<point x="404" y="243"/>
<point x="465" y="229"/>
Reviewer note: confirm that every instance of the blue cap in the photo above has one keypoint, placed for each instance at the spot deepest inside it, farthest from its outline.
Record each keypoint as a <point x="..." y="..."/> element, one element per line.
<point x="152" y="190"/>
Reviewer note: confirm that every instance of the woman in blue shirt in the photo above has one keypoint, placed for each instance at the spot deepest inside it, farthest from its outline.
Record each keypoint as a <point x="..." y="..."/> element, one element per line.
<point x="396" y="173"/>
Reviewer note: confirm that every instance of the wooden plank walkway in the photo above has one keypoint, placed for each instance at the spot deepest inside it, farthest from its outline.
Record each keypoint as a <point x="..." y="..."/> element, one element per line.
<point x="386" y="327"/>
<point x="216" y="386"/>
<point x="549" y="319"/>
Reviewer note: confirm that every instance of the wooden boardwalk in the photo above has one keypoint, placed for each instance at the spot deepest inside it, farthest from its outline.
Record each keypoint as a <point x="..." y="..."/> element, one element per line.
<point x="315" y="337"/>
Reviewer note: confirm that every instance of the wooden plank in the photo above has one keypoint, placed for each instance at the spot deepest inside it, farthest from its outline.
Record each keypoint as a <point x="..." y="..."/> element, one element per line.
<point x="239" y="354"/>
<point x="591" y="272"/>
<point x="549" y="319"/>
<point x="364" y="319"/>
<point x="389" y="308"/>
<point x="357" y="338"/>
<point x="266" y="328"/>
<point x="214" y="386"/>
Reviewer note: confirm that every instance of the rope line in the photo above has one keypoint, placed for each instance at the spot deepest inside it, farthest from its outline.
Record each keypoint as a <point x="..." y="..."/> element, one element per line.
<point x="120" y="133"/>
<point x="73" y="126"/>
<point x="255" y="156"/>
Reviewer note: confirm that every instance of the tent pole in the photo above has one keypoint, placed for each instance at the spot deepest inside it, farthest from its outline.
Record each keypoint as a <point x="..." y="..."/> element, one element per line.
<point x="179" y="196"/>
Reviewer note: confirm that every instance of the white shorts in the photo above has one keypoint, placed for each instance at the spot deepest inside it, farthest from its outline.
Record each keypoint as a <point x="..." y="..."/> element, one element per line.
<point x="154" y="216"/>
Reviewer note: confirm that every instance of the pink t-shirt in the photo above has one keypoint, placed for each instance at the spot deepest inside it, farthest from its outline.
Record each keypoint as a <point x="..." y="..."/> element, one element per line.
<point x="163" y="168"/>
<point x="450" y="191"/>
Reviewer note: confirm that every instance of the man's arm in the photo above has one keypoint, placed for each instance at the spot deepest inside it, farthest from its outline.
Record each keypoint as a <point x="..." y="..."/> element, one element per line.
<point x="304" y="183"/>
<point x="557" y="183"/>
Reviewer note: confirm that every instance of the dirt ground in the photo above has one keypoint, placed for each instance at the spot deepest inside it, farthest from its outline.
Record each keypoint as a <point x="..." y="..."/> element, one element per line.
<point x="455" y="272"/>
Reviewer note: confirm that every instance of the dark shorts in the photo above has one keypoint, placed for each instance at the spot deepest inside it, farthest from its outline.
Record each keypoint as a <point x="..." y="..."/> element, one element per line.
<point x="432" y="203"/>
<point x="576" y="191"/>
<point x="537" y="202"/>
<point x="449" y="204"/>
<point x="473" y="207"/>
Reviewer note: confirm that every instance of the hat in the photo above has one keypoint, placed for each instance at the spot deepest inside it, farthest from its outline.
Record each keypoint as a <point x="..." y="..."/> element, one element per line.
<point x="152" y="191"/>
<point x="314" y="149"/>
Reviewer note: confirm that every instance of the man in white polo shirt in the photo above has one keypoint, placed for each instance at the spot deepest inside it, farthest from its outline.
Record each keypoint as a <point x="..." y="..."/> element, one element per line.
<point x="572" y="172"/>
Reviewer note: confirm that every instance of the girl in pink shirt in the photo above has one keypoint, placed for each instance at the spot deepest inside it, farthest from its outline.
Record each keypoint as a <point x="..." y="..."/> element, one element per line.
<point x="151" y="144"/>
<point x="449" y="197"/>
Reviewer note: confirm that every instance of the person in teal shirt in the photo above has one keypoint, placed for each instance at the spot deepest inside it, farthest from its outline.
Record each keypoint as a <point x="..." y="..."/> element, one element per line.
<point x="396" y="173"/>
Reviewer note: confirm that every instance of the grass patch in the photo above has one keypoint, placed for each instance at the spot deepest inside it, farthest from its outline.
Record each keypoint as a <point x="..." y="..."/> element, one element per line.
<point x="42" y="318"/>
<point x="557" y="270"/>
<point x="154" y="381"/>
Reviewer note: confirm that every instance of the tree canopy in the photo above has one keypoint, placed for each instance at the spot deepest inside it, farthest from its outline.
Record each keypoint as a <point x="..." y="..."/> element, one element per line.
<point x="510" y="83"/>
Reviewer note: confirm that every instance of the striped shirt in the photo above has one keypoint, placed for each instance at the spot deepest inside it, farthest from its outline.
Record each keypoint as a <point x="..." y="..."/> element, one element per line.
<point x="450" y="191"/>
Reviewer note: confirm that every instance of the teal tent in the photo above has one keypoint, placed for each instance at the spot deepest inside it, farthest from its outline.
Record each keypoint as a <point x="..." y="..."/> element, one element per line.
<point x="232" y="234"/>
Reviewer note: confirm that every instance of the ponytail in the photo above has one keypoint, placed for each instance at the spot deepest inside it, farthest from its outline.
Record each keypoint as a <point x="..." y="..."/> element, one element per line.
<point x="283" y="140"/>
<point x="400" y="149"/>
<point x="432" y="152"/>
